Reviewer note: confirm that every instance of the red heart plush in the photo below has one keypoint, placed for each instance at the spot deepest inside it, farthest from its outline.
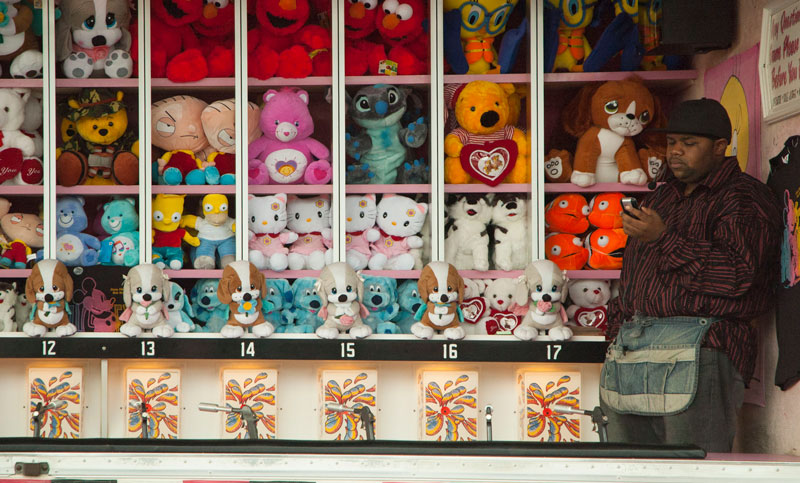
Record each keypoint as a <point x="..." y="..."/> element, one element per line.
<point x="591" y="317"/>
<point x="489" y="162"/>
<point x="473" y="309"/>
<point x="10" y="163"/>
<point x="32" y="171"/>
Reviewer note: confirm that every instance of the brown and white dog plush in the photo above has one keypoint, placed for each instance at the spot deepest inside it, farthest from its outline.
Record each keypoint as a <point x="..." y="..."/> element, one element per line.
<point x="49" y="290"/>
<point x="542" y="288"/>
<point x="242" y="287"/>
<point x="341" y="290"/>
<point x="605" y="118"/>
<point x="442" y="289"/>
<point x="144" y="291"/>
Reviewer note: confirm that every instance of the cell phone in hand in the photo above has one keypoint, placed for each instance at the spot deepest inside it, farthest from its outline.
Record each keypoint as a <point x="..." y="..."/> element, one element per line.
<point x="628" y="203"/>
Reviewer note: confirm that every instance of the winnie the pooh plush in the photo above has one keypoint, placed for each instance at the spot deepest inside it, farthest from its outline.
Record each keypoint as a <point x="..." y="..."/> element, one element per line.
<point x="102" y="150"/>
<point x="485" y="147"/>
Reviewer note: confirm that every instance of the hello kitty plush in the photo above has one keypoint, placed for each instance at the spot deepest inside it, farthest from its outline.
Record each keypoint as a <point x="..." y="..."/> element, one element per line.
<point x="361" y="212"/>
<point x="268" y="234"/>
<point x="399" y="220"/>
<point x="286" y="152"/>
<point x="589" y="301"/>
<point x="310" y="219"/>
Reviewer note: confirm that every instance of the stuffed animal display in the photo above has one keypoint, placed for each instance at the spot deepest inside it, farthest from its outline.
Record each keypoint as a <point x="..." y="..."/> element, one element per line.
<point x="20" y="234"/>
<point x="511" y="242"/>
<point x="486" y="147"/>
<point x="120" y="221"/>
<point x="167" y="233"/>
<point x="242" y="288"/>
<point x="285" y="43"/>
<point x="179" y="309"/>
<point x="93" y="37"/>
<point x="211" y="315"/>
<point x="470" y="31"/>
<point x="310" y="220"/>
<point x="588" y="302"/>
<point x="219" y="126"/>
<point x="467" y="240"/>
<point x="441" y="289"/>
<point x="101" y="150"/>
<point x="145" y="292"/>
<point x="409" y="300"/>
<point x="20" y="52"/>
<point x="400" y="219"/>
<point x="361" y="212"/>
<point x="49" y="290"/>
<point x="341" y="290"/>
<point x="276" y="304"/>
<point x="565" y="44"/>
<point x="73" y="247"/>
<point x="585" y="235"/>
<point x="301" y="316"/>
<point x="215" y="231"/>
<point x="605" y="118"/>
<point x="267" y="235"/>
<point x="380" y="300"/>
<point x="286" y="153"/>
<point x="8" y="311"/>
<point x="20" y="151"/>
<point x="542" y="288"/>
<point x="381" y="145"/>
<point x="504" y="316"/>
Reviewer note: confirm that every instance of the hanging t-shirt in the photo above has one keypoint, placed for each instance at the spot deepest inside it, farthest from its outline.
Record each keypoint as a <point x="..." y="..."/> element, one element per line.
<point x="784" y="181"/>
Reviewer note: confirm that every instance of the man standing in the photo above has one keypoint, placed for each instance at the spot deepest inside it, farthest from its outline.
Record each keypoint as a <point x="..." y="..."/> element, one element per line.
<point x="699" y="266"/>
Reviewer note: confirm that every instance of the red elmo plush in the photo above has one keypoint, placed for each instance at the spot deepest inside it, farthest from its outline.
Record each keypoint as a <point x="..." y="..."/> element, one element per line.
<point x="359" y="23"/>
<point x="214" y="30"/>
<point x="282" y="44"/>
<point x="175" y="48"/>
<point x="401" y="26"/>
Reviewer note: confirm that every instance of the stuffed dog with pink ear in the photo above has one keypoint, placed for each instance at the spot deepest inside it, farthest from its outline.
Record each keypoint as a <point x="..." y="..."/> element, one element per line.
<point x="442" y="289"/>
<point x="543" y="289"/>
<point x="341" y="290"/>
<point x="49" y="290"/>
<point x="144" y="291"/>
<point x="242" y="288"/>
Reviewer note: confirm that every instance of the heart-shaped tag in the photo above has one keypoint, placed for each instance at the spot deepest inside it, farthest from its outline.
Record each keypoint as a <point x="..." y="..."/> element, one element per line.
<point x="502" y="323"/>
<point x="10" y="163"/>
<point x="491" y="161"/>
<point x="32" y="171"/>
<point x="473" y="309"/>
<point x="594" y="317"/>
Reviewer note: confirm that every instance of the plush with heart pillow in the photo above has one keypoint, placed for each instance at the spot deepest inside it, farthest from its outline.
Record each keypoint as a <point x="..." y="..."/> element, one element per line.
<point x="588" y="303"/>
<point x="18" y="163"/>
<point x="504" y="316"/>
<point x="485" y="147"/>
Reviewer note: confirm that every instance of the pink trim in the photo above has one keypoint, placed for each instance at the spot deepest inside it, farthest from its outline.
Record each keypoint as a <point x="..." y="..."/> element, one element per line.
<point x="592" y="274"/>
<point x="509" y="78"/>
<point x="595" y="188"/>
<point x="131" y="83"/>
<point x="195" y="189"/>
<point x="94" y="190"/>
<point x="296" y="189"/>
<point x="388" y="79"/>
<point x="482" y="188"/>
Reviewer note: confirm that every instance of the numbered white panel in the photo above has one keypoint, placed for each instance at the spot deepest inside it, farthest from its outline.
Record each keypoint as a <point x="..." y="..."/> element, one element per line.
<point x="257" y="388"/>
<point x="541" y="394"/>
<point x="56" y="393"/>
<point x="153" y="403"/>
<point x="348" y="390"/>
<point x="448" y="405"/>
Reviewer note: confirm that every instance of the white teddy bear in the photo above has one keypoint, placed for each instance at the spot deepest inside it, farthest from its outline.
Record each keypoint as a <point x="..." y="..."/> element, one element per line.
<point x="503" y="316"/>
<point x="588" y="303"/>
<point x="466" y="245"/>
<point x="12" y="116"/>
<point x="511" y="233"/>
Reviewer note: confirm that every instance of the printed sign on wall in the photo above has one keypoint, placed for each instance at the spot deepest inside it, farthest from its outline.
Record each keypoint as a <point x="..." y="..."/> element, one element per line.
<point x="350" y="389"/>
<point x="153" y="408"/>
<point x="257" y="388"/>
<point x="448" y="406"/>
<point x="541" y="395"/>
<point x="56" y="393"/>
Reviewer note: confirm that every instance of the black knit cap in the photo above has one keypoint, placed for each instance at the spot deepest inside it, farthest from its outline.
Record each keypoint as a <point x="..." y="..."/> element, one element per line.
<point x="701" y="117"/>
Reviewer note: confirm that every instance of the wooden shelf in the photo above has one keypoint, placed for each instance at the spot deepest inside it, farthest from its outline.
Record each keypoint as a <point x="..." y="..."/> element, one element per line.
<point x="252" y="82"/>
<point x="387" y="79"/>
<point x="129" y="83"/>
<point x="593" y="274"/>
<point x="509" y="78"/>
<point x="98" y="190"/>
<point x="201" y="189"/>
<point x="595" y="188"/>
<point x="292" y="189"/>
<point x="34" y="190"/>
<point x="388" y="188"/>
<point x="482" y="188"/>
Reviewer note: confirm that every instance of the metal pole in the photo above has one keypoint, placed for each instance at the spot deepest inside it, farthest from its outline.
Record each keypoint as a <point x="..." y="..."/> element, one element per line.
<point x="488" y="411"/>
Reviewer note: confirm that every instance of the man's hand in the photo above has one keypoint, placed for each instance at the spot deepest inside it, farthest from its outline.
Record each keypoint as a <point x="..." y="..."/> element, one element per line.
<point x="647" y="228"/>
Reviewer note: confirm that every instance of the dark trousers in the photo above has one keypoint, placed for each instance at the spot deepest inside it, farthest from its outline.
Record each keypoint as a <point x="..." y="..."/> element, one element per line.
<point x="709" y="422"/>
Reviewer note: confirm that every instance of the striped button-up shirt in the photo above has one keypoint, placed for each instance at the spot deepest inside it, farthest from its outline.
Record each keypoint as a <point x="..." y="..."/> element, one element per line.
<point x="718" y="257"/>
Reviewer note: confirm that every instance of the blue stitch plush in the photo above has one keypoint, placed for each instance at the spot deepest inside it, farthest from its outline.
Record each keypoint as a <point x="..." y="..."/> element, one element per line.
<point x="179" y="309"/>
<point x="302" y="316"/>
<point x="211" y="314"/>
<point x="380" y="299"/>
<point x="278" y="298"/>
<point x="121" y="221"/>
<point x="410" y="302"/>
<point x="73" y="247"/>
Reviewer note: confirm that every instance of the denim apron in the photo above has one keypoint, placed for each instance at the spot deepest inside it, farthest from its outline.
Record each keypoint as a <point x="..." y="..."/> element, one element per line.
<point x="652" y="366"/>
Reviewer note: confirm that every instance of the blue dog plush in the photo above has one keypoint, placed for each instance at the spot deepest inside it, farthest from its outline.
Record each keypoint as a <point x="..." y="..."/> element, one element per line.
<point x="211" y="315"/>
<point x="302" y="316"/>
<point x="380" y="299"/>
<point x="73" y="247"/>
<point x="121" y="221"/>
<point x="179" y="309"/>
<point x="278" y="299"/>
<point x="410" y="302"/>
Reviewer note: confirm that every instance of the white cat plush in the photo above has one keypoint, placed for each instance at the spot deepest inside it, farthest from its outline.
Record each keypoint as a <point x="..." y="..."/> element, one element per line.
<point x="268" y="236"/>
<point x="511" y="234"/>
<point x="310" y="219"/>
<point x="400" y="219"/>
<point x="361" y="212"/>
<point x="8" y="300"/>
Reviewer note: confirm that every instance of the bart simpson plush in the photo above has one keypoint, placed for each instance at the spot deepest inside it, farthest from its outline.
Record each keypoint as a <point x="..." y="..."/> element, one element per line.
<point x="167" y="234"/>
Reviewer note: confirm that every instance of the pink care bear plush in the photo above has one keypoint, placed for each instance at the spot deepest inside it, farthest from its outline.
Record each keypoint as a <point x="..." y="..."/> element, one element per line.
<point x="286" y="152"/>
